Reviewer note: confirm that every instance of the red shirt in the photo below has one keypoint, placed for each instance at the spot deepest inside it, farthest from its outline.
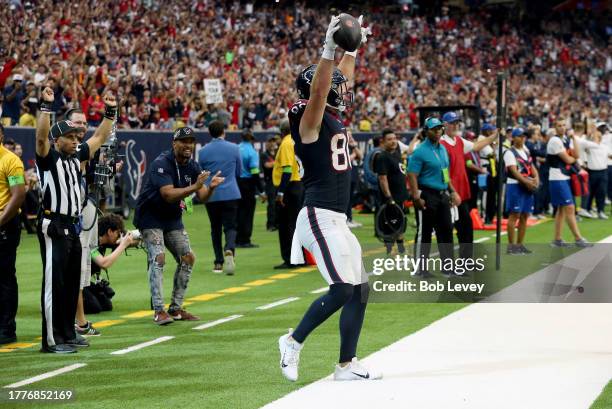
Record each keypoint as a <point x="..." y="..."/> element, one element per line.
<point x="458" y="175"/>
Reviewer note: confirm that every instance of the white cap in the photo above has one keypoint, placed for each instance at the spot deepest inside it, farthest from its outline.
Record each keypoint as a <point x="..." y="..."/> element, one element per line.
<point x="600" y="124"/>
<point x="17" y="77"/>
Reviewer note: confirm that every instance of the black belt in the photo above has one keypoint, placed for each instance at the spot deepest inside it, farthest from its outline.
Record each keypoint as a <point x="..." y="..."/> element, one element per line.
<point x="432" y="190"/>
<point x="62" y="218"/>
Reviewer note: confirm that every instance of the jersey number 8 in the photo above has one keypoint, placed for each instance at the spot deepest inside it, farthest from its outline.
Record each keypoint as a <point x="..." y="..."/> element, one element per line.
<point x="340" y="152"/>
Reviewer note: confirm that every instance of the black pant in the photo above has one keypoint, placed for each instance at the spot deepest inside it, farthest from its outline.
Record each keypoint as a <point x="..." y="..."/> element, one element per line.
<point x="271" y="206"/>
<point x="436" y="215"/>
<point x="10" y="235"/>
<point x="60" y="249"/>
<point x="246" y="210"/>
<point x="222" y="216"/>
<point x="287" y="217"/>
<point x="492" y="192"/>
<point x="474" y="192"/>
<point x="465" y="230"/>
<point x="598" y="186"/>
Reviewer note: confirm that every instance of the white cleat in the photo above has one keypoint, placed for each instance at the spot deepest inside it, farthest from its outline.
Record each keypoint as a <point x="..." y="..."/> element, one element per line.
<point x="289" y="356"/>
<point x="355" y="372"/>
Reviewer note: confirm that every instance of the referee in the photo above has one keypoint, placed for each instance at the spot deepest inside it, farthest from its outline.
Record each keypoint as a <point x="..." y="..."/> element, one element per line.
<point x="433" y="194"/>
<point x="12" y="195"/>
<point x="59" y="225"/>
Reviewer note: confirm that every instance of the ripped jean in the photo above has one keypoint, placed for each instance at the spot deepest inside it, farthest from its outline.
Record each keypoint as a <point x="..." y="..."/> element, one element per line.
<point x="177" y="241"/>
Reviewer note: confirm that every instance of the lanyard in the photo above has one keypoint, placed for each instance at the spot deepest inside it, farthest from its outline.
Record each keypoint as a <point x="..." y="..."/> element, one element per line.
<point x="437" y="157"/>
<point x="178" y="172"/>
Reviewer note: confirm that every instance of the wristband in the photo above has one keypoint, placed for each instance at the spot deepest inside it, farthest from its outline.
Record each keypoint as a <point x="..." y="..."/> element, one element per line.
<point x="351" y="53"/>
<point x="329" y="54"/>
<point x="45" y="106"/>
<point x="110" y="112"/>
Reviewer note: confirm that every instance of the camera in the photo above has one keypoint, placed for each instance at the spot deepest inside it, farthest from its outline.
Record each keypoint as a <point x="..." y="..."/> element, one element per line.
<point x="135" y="235"/>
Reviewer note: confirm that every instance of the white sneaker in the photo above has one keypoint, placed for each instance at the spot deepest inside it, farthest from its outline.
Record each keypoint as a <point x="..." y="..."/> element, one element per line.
<point x="351" y="224"/>
<point x="584" y="213"/>
<point x="355" y="372"/>
<point x="602" y="215"/>
<point x="289" y="356"/>
<point x="230" y="264"/>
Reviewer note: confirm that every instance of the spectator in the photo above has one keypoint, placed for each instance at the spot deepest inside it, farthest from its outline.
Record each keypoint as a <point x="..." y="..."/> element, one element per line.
<point x="13" y="95"/>
<point x="222" y="156"/>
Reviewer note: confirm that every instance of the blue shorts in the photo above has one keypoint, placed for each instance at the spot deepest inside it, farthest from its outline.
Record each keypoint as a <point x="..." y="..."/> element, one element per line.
<point x="518" y="199"/>
<point x="560" y="193"/>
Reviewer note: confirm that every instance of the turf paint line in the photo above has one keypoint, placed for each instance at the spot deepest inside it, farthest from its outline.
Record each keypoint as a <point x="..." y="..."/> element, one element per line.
<point x="282" y="276"/>
<point x="258" y="283"/>
<point x="18" y="345"/>
<point x="480" y="240"/>
<point x="46" y="375"/>
<point x="319" y="290"/>
<point x="205" y="297"/>
<point x="303" y="269"/>
<point x="486" y="364"/>
<point x="138" y="314"/>
<point x="233" y="290"/>
<point x="110" y="323"/>
<point x="277" y="303"/>
<point x="217" y="322"/>
<point x="142" y="345"/>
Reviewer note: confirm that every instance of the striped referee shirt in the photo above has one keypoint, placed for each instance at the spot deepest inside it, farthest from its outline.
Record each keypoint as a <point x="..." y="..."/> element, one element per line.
<point x="61" y="180"/>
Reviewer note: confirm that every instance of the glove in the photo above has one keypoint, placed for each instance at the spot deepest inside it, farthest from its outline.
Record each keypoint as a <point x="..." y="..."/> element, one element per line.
<point x="365" y="32"/>
<point x="329" y="48"/>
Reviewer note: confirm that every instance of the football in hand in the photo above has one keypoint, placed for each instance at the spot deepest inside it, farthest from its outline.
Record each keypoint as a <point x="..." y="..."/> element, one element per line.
<point x="348" y="37"/>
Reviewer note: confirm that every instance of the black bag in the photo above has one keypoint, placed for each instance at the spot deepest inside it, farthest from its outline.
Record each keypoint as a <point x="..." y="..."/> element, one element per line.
<point x="98" y="296"/>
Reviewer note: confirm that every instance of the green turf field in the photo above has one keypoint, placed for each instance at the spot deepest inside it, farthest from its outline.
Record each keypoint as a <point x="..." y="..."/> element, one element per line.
<point x="232" y="365"/>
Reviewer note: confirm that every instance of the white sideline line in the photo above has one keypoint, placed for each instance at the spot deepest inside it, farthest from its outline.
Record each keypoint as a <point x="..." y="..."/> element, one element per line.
<point x="143" y="345"/>
<point x="319" y="290"/>
<point x="217" y="322"/>
<point x="482" y="239"/>
<point x="277" y="303"/>
<point x="46" y="375"/>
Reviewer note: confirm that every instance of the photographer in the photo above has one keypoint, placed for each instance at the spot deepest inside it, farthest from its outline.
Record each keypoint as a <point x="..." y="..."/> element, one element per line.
<point x="111" y="235"/>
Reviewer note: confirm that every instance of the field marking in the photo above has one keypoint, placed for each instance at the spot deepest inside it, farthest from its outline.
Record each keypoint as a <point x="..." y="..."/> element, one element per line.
<point x="45" y="375"/>
<point x="4" y="350"/>
<point x="282" y="276"/>
<point x="233" y="290"/>
<point x="217" y="322"/>
<point x="257" y="283"/>
<point x="138" y="314"/>
<point x="277" y="303"/>
<point x="319" y="290"/>
<point x="304" y="269"/>
<point x="205" y="297"/>
<point x="142" y="345"/>
<point x="17" y="345"/>
<point x="108" y="323"/>
<point x="480" y="240"/>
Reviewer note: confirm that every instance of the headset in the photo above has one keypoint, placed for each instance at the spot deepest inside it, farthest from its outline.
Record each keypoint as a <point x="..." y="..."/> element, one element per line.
<point x="390" y="222"/>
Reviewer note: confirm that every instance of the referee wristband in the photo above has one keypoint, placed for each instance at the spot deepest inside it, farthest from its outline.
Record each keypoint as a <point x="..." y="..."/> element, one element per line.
<point x="45" y="106"/>
<point x="110" y="112"/>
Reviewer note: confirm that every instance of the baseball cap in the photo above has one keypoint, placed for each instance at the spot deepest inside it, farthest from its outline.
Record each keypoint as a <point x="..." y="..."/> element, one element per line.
<point x="432" y="122"/>
<point x="450" y="117"/>
<point x="183" y="133"/>
<point x="518" y="132"/>
<point x="600" y="124"/>
<point x="488" y="127"/>
<point x="63" y="128"/>
<point x="17" y="77"/>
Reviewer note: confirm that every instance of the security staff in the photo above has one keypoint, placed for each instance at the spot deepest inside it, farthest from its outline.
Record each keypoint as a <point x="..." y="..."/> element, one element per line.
<point x="12" y="195"/>
<point x="250" y="184"/>
<point x="290" y="192"/>
<point x="433" y="194"/>
<point x="59" y="225"/>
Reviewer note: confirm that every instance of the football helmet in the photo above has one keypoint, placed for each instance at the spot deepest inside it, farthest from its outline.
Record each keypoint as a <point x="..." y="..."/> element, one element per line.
<point x="339" y="96"/>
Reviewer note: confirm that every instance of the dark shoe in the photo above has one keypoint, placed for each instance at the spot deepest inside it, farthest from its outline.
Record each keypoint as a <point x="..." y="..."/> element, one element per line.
<point x="583" y="243"/>
<point x="87" y="330"/>
<point x="513" y="250"/>
<point x="272" y="228"/>
<point x="524" y="250"/>
<point x="162" y="318"/>
<point x="182" y="315"/>
<point x="247" y="246"/>
<point x="7" y="339"/>
<point x="283" y="266"/>
<point x="218" y="269"/>
<point x="79" y="342"/>
<point x="59" y="349"/>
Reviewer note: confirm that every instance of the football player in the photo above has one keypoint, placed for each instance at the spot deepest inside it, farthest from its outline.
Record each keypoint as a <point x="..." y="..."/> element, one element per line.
<point x="321" y="143"/>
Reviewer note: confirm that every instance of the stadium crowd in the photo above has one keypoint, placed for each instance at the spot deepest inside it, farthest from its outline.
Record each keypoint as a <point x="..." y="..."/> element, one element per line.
<point x="155" y="59"/>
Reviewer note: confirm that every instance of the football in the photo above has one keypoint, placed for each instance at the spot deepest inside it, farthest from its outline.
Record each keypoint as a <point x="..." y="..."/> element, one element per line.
<point x="348" y="37"/>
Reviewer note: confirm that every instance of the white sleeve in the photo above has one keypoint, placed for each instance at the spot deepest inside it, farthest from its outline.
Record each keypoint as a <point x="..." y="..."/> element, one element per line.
<point x="468" y="146"/>
<point x="555" y="146"/>
<point x="586" y="144"/>
<point x="403" y="147"/>
<point x="509" y="158"/>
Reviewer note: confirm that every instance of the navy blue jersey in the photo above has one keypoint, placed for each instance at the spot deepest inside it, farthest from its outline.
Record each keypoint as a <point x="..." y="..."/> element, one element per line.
<point x="326" y="163"/>
<point x="152" y="211"/>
